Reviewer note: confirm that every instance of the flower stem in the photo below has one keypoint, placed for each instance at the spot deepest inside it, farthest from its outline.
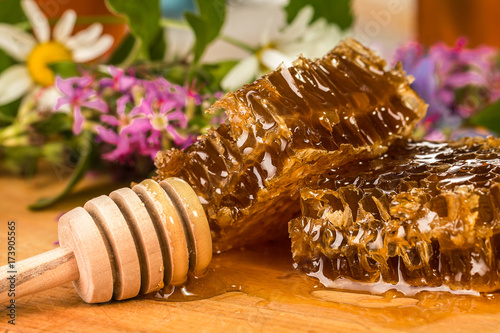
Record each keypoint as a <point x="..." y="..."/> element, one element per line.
<point x="169" y="23"/>
<point x="238" y="43"/>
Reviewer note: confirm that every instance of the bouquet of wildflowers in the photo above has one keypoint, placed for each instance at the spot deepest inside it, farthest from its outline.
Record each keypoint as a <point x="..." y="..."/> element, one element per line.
<point x="79" y="102"/>
<point x="459" y="84"/>
<point x="133" y="117"/>
<point x="122" y="121"/>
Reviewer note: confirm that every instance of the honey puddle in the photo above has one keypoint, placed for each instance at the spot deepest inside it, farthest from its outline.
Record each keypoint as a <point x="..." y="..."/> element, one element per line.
<point x="266" y="271"/>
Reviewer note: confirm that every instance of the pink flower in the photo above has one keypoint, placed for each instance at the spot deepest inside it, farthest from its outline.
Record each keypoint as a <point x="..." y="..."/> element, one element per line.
<point x="143" y="117"/>
<point x="122" y="118"/>
<point x="122" y="143"/>
<point x="455" y="81"/>
<point x="77" y="93"/>
<point x="162" y="117"/>
<point x="435" y="135"/>
<point x="118" y="81"/>
<point x="142" y="128"/>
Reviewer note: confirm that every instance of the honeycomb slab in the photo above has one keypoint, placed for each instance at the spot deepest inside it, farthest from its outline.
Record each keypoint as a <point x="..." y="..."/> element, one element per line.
<point x="284" y="130"/>
<point x="423" y="213"/>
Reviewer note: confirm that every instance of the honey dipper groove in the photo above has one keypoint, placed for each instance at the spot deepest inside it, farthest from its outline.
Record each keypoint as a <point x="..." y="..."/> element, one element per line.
<point x="146" y="240"/>
<point x="169" y="228"/>
<point x="122" y="251"/>
<point x="195" y="225"/>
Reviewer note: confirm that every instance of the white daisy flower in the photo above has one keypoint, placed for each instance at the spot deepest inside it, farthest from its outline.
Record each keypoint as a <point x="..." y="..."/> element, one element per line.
<point x="35" y="52"/>
<point x="284" y="46"/>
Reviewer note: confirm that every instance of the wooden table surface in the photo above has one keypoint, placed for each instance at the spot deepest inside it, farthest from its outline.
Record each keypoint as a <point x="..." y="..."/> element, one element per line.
<point x="269" y="302"/>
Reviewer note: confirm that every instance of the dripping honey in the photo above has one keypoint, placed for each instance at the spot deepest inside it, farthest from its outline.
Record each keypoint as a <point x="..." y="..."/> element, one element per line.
<point x="265" y="273"/>
<point x="425" y="213"/>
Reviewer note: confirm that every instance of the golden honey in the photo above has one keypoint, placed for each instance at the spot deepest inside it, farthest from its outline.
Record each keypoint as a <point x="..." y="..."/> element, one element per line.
<point x="260" y="279"/>
<point x="284" y="130"/>
<point x="424" y="214"/>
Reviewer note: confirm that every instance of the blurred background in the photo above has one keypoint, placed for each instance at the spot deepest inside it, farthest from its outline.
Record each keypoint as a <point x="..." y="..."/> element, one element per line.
<point x="102" y="85"/>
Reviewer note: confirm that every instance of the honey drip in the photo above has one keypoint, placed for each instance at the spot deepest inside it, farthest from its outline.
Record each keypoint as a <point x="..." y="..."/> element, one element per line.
<point x="284" y="130"/>
<point x="424" y="214"/>
<point x="264" y="276"/>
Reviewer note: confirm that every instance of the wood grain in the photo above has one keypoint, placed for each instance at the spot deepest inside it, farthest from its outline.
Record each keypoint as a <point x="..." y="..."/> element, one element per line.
<point x="41" y="272"/>
<point x="61" y="309"/>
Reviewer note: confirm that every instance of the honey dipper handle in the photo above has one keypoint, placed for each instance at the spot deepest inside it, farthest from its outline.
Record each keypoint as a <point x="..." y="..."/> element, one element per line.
<point x="38" y="273"/>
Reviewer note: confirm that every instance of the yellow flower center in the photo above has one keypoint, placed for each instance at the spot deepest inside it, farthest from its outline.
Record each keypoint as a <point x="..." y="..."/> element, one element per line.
<point x="41" y="56"/>
<point x="263" y="68"/>
<point x="158" y="122"/>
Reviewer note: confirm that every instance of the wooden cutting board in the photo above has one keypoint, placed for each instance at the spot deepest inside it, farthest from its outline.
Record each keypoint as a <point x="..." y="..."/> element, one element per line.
<point x="246" y="290"/>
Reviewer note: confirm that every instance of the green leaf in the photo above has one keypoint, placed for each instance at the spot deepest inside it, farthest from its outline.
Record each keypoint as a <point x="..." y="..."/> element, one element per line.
<point x="158" y="45"/>
<point x="489" y="117"/>
<point x="5" y="119"/>
<point x="176" y="74"/>
<point x="64" y="69"/>
<point x="198" y="26"/>
<point x="122" y="52"/>
<point x="53" y="152"/>
<point x="11" y="12"/>
<point x="207" y="24"/>
<point x="212" y="74"/>
<point x="143" y="18"/>
<point x="337" y="11"/>
<point x="220" y="69"/>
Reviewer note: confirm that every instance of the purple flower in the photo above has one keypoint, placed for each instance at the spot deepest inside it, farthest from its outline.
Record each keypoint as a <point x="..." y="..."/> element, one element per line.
<point x="137" y="117"/>
<point x="409" y="55"/>
<point x="118" y="81"/>
<point x="455" y="81"/>
<point x="160" y="118"/>
<point x="122" y="118"/>
<point x="77" y="93"/>
<point x="122" y="143"/>
<point x="142" y="128"/>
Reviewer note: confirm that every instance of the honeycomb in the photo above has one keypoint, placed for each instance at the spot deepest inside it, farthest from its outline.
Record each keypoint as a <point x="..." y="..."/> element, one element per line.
<point x="284" y="130"/>
<point x="423" y="213"/>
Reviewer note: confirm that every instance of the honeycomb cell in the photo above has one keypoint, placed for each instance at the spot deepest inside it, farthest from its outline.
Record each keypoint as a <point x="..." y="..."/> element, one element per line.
<point x="423" y="213"/>
<point x="284" y="130"/>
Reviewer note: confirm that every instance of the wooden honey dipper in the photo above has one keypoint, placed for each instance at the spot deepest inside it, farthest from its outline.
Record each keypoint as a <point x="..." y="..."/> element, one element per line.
<point x="132" y="242"/>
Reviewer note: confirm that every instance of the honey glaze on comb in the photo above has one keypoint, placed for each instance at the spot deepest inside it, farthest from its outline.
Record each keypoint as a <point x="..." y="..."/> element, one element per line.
<point x="425" y="215"/>
<point x="265" y="276"/>
<point x="283" y="131"/>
